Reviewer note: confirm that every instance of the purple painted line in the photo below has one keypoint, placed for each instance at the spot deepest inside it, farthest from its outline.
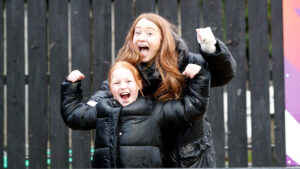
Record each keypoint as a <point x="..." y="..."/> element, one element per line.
<point x="292" y="90"/>
<point x="298" y="12"/>
<point x="290" y="161"/>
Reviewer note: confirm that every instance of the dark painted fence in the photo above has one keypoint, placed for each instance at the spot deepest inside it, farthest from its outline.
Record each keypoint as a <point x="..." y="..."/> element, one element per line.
<point x="42" y="40"/>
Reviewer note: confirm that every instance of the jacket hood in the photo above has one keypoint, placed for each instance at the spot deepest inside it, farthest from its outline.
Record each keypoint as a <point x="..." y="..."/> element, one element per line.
<point x="183" y="52"/>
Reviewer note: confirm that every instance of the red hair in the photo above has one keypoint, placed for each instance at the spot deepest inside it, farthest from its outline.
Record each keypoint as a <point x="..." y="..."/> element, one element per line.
<point x="166" y="60"/>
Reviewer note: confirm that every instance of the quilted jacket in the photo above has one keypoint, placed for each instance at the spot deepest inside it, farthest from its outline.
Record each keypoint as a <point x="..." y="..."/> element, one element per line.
<point x="131" y="136"/>
<point x="190" y="146"/>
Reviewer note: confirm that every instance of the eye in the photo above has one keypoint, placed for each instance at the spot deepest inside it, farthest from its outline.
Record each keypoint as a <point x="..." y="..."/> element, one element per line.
<point x="149" y="33"/>
<point x="137" y="33"/>
<point x="116" y="83"/>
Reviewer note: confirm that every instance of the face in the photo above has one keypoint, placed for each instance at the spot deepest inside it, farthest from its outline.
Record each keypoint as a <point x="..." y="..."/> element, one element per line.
<point x="123" y="86"/>
<point x="147" y="39"/>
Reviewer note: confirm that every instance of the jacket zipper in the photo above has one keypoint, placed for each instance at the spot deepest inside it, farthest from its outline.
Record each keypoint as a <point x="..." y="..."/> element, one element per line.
<point x="115" y="138"/>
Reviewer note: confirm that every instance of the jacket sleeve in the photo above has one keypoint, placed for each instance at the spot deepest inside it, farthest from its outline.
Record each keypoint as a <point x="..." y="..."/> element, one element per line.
<point x="103" y="92"/>
<point x="222" y="65"/>
<point x="191" y="106"/>
<point x="76" y="115"/>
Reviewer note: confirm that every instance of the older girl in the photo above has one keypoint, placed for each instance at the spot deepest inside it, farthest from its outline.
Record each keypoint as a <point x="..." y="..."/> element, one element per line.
<point x="162" y="58"/>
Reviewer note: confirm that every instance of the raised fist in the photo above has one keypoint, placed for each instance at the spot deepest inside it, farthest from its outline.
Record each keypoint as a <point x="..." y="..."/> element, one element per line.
<point x="206" y="39"/>
<point x="75" y="75"/>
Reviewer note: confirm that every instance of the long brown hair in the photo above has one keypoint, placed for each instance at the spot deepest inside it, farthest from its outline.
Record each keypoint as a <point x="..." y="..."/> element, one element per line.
<point x="166" y="60"/>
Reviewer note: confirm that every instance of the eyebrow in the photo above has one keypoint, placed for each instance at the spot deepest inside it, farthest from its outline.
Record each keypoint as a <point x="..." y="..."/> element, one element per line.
<point x="146" y="27"/>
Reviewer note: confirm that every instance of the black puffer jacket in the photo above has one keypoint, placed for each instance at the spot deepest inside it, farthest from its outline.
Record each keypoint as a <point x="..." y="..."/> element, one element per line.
<point x="191" y="146"/>
<point x="131" y="136"/>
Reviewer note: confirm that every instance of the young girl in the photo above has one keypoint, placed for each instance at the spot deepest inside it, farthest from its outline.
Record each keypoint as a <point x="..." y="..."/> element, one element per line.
<point x="129" y="127"/>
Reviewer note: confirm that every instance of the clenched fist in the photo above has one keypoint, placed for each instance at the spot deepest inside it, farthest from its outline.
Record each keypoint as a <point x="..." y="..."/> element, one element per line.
<point x="75" y="75"/>
<point x="206" y="39"/>
<point x="191" y="70"/>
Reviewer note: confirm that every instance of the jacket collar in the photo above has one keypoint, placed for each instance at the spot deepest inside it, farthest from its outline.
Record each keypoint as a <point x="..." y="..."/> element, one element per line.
<point x="183" y="52"/>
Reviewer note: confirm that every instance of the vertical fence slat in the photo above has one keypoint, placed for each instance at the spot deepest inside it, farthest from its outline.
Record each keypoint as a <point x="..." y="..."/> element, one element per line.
<point x="171" y="13"/>
<point x="15" y="84"/>
<point x="1" y="85"/>
<point x="278" y="82"/>
<point x="142" y="6"/>
<point x="80" y="40"/>
<point x="37" y="55"/>
<point x="237" y="124"/>
<point x="58" y="52"/>
<point x="101" y="41"/>
<point x="123" y="20"/>
<point x="259" y="83"/>
<point x="190" y="20"/>
<point x="215" y="111"/>
<point x="213" y="19"/>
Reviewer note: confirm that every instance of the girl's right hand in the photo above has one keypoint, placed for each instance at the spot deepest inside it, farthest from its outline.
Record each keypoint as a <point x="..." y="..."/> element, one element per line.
<point x="75" y="75"/>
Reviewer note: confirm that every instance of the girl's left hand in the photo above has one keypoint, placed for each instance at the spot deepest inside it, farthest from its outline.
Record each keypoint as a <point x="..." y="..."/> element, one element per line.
<point x="191" y="70"/>
<point x="206" y="39"/>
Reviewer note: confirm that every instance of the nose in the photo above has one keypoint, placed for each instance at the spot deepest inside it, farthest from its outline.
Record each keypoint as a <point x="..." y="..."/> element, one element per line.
<point x="123" y="86"/>
<point x="142" y="37"/>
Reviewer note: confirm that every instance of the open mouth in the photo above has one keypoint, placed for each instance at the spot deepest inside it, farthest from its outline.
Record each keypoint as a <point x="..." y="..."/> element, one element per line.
<point x="125" y="95"/>
<point x="143" y="49"/>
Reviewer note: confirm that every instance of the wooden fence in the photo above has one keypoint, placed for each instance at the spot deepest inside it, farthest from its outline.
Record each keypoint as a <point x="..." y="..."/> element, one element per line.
<point x="42" y="40"/>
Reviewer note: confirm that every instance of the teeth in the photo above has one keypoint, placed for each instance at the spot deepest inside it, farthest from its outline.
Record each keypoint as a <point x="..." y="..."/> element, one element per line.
<point x="142" y="46"/>
<point x="124" y="94"/>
